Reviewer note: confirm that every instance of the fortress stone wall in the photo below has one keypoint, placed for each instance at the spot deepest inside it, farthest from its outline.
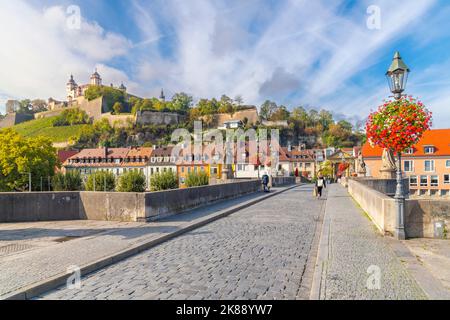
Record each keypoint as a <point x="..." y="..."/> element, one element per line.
<point x="159" y="118"/>
<point x="12" y="119"/>
<point x="251" y="114"/>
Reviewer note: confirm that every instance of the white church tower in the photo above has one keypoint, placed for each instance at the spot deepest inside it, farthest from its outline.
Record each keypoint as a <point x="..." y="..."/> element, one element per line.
<point x="72" y="89"/>
<point x="96" y="80"/>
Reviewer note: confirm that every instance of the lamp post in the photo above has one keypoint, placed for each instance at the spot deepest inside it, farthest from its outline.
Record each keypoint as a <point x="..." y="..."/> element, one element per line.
<point x="397" y="76"/>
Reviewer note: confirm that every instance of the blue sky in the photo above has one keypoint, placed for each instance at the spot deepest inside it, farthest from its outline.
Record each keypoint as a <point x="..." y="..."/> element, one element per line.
<point x="313" y="53"/>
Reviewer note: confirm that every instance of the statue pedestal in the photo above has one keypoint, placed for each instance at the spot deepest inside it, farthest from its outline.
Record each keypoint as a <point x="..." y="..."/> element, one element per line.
<point x="361" y="174"/>
<point x="387" y="173"/>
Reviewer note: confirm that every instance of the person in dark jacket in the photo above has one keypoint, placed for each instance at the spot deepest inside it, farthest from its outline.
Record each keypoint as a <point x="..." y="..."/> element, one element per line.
<point x="320" y="184"/>
<point x="265" y="183"/>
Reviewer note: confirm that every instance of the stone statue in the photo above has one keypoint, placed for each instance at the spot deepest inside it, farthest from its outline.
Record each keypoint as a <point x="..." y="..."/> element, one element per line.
<point x="361" y="166"/>
<point x="388" y="166"/>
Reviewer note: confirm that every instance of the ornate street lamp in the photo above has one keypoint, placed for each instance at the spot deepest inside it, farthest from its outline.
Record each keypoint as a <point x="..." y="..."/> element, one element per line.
<point x="397" y="76"/>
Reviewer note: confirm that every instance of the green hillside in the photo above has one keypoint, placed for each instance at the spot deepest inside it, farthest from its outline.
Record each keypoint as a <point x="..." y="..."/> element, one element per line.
<point x="44" y="127"/>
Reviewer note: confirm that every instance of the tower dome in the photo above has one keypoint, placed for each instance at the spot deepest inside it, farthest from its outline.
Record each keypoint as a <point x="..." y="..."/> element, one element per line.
<point x="96" y="80"/>
<point x="71" y="88"/>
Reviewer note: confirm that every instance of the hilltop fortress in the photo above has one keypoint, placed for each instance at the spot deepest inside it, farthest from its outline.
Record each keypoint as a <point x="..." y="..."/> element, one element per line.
<point x="98" y="109"/>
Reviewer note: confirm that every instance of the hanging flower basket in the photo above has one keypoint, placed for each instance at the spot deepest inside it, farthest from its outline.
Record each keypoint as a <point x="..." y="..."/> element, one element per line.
<point x="398" y="124"/>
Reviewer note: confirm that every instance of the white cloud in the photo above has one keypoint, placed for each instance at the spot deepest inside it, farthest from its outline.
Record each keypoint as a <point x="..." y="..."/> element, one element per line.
<point x="297" y="52"/>
<point x="39" y="52"/>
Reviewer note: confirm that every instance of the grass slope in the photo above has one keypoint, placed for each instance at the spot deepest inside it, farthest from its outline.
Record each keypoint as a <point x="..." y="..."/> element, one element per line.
<point x="43" y="127"/>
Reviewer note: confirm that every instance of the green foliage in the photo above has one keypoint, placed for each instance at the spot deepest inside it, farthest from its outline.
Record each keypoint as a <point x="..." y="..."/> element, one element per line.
<point x="101" y="181"/>
<point x="163" y="181"/>
<point x="70" y="181"/>
<point x="326" y="169"/>
<point x="111" y="95"/>
<point x="226" y="105"/>
<point x="132" y="181"/>
<point x="196" y="179"/>
<point x="118" y="108"/>
<point x="100" y="134"/>
<point x="267" y="109"/>
<point x="142" y="105"/>
<point x="181" y="102"/>
<point x="20" y="156"/>
<point x="70" y="117"/>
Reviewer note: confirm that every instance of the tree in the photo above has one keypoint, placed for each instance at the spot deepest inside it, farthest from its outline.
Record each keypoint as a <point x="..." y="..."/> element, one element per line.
<point x="118" y="108"/>
<point x="238" y="100"/>
<point x="279" y="114"/>
<point x="21" y="156"/>
<point x="196" y="179"/>
<point x="326" y="169"/>
<point x="163" y="181"/>
<point x="181" y="102"/>
<point x="267" y="109"/>
<point x="70" y="181"/>
<point x="325" y="119"/>
<point x="132" y="181"/>
<point x="101" y="181"/>
<point x="226" y="105"/>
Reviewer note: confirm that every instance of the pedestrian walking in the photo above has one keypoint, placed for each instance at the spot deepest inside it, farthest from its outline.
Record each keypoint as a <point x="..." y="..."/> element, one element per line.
<point x="320" y="184"/>
<point x="265" y="182"/>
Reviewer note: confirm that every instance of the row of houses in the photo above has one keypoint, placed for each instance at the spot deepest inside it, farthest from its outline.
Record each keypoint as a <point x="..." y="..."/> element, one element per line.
<point x="152" y="160"/>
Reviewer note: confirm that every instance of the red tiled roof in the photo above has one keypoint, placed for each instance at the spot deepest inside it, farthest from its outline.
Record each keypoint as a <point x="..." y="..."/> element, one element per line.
<point x="63" y="155"/>
<point x="162" y="152"/>
<point x="284" y="154"/>
<point x="439" y="138"/>
<point x="141" y="152"/>
<point x="100" y="153"/>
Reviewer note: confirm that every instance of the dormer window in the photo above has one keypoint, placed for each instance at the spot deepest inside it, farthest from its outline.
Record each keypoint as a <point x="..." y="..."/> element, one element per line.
<point x="429" y="149"/>
<point x="409" y="151"/>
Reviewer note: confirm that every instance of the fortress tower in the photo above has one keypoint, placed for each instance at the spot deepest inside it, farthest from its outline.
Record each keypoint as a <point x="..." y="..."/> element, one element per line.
<point x="96" y="80"/>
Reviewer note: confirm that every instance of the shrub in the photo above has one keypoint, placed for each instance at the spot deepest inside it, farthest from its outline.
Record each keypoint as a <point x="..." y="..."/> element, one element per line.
<point x="163" y="181"/>
<point x="118" y="108"/>
<point x="70" y="181"/>
<point x="197" y="179"/>
<point x="132" y="181"/>
<point x="104" y="181"/>
<point x="71" y="117"/>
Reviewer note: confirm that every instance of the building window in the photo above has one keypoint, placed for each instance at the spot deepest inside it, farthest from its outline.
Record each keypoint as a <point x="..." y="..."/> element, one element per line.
<point x="429" y="165"/>
<point x="182" y="169"/>
<point x="447" y="163"/>
<point x="429" y="150"/>
<point x="413" y="181"/>
<point x="446" y="178"/>
<point x="409" y="166"/>
<point x="409" y="151"/>
<point x="434" y="181"/>
<point x="424" y="181"/>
